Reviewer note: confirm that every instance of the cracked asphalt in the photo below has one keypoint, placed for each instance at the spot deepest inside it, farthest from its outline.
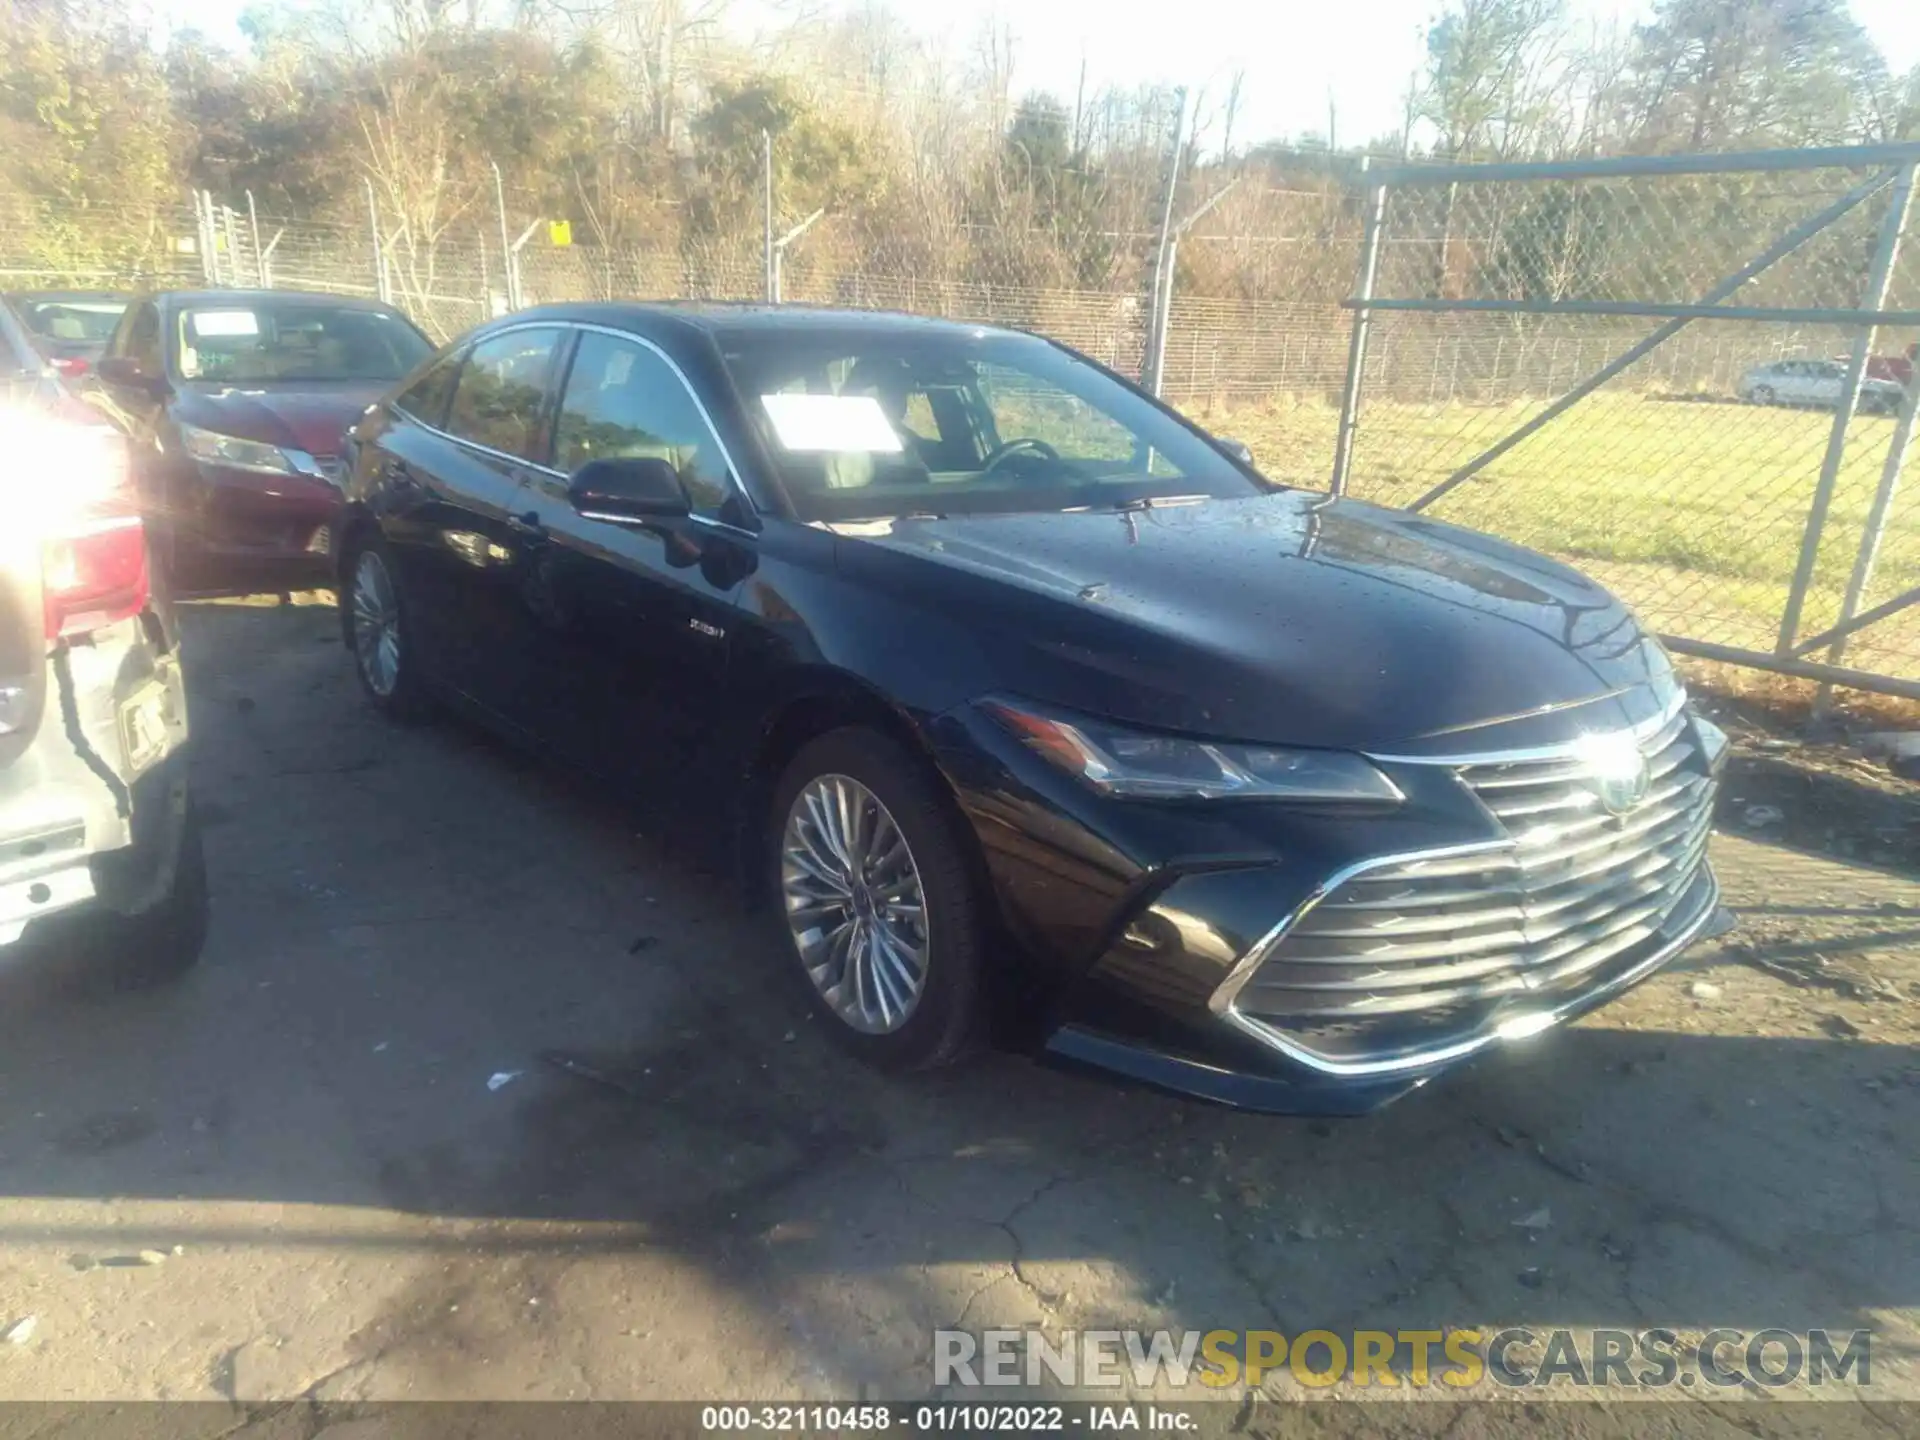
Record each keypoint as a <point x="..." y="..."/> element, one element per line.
<point x="482" y="1091"/>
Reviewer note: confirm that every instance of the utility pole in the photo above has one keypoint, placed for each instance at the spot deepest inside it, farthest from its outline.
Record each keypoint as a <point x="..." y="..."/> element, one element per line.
<point x="1080" y="103"/>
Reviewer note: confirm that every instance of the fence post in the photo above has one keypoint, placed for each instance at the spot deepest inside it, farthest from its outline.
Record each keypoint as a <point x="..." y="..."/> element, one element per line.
<point x="203" y="222"/>
<point x="1157" y="316"/>
<point x="230" y="228"/>
<point x="506" y="249"/>
<point x="1879" y="280"/>
<point x="770" y="257"/>
<point x="380" y="287"/>
<point x="1164" y="323"/>
<point x="1376" y="217"/>
<point x="259" y="255"/>
<point x="1876" y="528"/>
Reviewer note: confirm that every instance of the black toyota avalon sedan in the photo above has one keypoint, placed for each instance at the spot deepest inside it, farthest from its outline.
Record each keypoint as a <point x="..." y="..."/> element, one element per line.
<point x="1023" y="695"/>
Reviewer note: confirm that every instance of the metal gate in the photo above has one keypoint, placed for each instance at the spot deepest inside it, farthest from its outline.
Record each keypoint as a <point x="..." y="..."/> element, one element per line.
<point x="1733" y="472"/>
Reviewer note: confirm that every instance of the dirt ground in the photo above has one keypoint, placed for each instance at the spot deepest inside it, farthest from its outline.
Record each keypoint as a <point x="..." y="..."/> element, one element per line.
<point x="481" y="1092"/>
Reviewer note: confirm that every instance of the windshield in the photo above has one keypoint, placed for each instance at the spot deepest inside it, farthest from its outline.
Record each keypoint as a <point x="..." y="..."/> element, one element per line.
<point x="873" y="423"/>
<point x="86" y="319"/>
<point x="262" y="343"/>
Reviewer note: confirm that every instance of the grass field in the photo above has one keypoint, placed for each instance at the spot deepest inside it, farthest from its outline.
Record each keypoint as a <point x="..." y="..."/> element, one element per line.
<point x="1692" y="510"/>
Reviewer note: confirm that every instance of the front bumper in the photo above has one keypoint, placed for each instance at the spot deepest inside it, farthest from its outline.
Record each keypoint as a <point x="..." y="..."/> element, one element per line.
<point x="1146" y="920"/>
<point x="1306" y="1084"/>
<point x="236" y="516"/>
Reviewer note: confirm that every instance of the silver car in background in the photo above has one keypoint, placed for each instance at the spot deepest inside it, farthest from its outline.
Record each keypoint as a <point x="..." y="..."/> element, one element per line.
<point x="1819" y="383"/>
<point x="100" y="859"/>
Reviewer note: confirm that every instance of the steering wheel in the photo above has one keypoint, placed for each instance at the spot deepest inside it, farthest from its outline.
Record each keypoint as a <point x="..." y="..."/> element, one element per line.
<point x="1028" y="446"/>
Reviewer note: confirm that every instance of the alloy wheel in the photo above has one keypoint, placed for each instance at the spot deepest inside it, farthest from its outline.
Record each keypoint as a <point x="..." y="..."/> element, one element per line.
<point x="376" y="624"/>
<point x="854" y="904"/>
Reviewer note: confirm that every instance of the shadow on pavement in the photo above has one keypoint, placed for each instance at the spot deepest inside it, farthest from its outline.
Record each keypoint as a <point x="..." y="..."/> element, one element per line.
<point x="404" y="917"/>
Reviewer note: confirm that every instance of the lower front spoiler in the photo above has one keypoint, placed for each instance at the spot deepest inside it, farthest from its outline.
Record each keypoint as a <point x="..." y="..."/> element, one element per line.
<point x="1295" y="1085"/>
<point x="1301" y="1093"/>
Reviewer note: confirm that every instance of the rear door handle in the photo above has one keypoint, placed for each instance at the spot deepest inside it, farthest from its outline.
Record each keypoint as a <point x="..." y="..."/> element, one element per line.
<point x="527" y="522"/>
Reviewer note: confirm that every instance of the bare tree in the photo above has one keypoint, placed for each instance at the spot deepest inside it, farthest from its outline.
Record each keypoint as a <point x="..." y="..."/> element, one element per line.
<point x="1234" y="89"/>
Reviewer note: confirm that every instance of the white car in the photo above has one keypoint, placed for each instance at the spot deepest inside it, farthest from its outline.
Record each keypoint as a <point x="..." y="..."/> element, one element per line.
<point x="1815" y="382"/>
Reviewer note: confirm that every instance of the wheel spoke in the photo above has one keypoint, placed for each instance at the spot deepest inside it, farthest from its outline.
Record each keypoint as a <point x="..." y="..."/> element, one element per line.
<point x="878" y="990"/>
<point x="825" y="832"/>
<point x="899" y="962"/>
<point x="808" y="913"/>
<point x="808" y="862"/>
<point x="845" y="827"/>
<point x="889" y="849"/>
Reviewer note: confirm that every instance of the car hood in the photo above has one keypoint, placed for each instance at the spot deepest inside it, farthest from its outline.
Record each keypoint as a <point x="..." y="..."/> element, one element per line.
<point x="1286" y="618"/>
<point x="314" y="417"/>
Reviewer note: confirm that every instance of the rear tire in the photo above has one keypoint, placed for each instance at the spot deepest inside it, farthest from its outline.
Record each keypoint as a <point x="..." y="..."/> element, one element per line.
<point x="376" y="627"/>
<point x="163" y="944"/>
<point x="875" y="901"/>
<point x="1761" y="395"/>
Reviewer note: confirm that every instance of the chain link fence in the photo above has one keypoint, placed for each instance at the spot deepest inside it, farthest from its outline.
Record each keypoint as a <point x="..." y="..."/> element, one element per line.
<point x="1726" y="461"/>
<point x="1731" y="470"/>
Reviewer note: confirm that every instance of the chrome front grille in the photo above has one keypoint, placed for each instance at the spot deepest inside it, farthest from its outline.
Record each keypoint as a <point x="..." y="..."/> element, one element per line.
<point x="1411" y="952"/>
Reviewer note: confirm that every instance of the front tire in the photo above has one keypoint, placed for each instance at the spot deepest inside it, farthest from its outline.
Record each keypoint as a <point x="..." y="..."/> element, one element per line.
<point x="1761" y="395"/>
<point x="876" y="903"/>
<point x="376" y="627"/>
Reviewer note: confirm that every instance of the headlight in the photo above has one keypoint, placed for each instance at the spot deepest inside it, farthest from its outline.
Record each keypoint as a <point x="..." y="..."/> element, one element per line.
<point x="233" y="452"/>
<point x="1138" y="766"/>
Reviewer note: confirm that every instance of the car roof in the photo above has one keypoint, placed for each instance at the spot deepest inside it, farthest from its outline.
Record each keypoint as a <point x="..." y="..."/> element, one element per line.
<point x="123" y="296"/>
<point x="716" y="317"/>
<point x="180" y="298"/>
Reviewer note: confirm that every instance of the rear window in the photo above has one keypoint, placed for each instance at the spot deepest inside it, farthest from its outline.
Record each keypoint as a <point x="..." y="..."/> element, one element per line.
<point x="263" y="343"/>
<point x="85" y="320"/>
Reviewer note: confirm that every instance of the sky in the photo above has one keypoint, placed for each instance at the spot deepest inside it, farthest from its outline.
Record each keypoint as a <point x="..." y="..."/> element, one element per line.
<point x="1296" y="53"/>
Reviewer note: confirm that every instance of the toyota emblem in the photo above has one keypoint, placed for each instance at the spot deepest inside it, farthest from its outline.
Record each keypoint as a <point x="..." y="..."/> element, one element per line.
<point x="1617" y="771"/>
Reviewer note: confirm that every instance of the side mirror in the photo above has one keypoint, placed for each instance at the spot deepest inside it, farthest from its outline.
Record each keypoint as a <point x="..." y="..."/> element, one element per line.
<point x="633" y="490"/>
<point x="1236" y="448"/>
<point x="125" y="372"/>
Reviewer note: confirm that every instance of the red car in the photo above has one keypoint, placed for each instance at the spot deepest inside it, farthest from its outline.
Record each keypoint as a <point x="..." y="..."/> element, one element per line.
<point x="1897" y="368"/>
<point x="237" y="404"/>
<point x="70" y="328"/>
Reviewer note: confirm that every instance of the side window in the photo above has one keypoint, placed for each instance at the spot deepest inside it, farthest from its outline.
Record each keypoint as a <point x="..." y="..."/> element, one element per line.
<point x="623" y="400"/>
<point x="143" y="340"/>
<point x="426" y="399"/>
<point x="500" y="396"/>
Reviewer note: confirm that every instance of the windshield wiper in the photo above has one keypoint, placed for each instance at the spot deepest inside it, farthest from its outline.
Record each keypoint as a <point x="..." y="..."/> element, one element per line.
<point x="1150" y="502"/>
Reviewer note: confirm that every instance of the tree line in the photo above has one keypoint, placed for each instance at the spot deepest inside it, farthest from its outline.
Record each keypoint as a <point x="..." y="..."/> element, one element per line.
<point x="641" y="122"/>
